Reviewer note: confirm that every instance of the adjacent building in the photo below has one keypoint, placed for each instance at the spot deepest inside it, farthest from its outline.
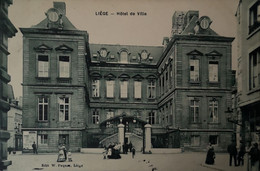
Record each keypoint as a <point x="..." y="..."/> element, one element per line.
<point x="14" y="125"/>
<point x="89" y="95"/>
<point x="55" y="81"/>
<point x="195" y="84"/>
<point x="7" y="30"/>
<point x="248" y="73"/>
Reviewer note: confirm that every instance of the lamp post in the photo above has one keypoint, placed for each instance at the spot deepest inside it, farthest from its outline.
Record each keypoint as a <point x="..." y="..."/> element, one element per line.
<point x="230" y="117"/>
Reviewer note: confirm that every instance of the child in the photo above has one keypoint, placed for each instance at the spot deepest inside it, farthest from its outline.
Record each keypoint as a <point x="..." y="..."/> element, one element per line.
<point x="69" y="157"/>
<point x="104" y="153"/>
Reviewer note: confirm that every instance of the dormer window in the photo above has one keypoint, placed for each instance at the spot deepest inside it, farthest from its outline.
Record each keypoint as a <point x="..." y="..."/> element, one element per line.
<point x="144" y="55"/>
<point x="103" y="52"/>
<point x="123" y="57"/>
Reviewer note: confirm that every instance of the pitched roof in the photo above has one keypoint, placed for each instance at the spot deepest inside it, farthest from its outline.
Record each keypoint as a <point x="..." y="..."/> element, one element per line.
<point x="67" y="25"/>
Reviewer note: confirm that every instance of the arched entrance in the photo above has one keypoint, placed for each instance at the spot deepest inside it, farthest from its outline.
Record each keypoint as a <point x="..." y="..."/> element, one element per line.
<point x="124" y="129"/>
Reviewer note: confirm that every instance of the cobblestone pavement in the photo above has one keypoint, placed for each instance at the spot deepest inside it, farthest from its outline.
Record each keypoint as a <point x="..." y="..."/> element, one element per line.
<point x="187" y="161"/>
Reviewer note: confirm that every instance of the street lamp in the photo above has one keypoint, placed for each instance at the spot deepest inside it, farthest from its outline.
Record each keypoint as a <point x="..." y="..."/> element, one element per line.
<point x="230" y="117"/>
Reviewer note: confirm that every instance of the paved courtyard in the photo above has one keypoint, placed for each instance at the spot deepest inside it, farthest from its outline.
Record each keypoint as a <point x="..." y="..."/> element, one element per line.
<point x="187" y="161"/>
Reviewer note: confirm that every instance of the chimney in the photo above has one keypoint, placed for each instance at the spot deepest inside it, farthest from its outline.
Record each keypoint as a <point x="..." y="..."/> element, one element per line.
<point x="60" y="6"/>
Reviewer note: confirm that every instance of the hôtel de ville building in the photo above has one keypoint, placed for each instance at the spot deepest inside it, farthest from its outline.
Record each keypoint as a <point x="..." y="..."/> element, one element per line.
<point x="89" y="95"/>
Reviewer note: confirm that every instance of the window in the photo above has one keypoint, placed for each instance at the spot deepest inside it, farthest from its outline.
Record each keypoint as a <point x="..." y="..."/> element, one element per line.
<point x="254" y="69"/>
<point x="95" y="88"/>
<point x="123" y="89"/>
<point x="103" y="53"/>
<point x="166" y="81"/>
<point x="43" y="139"/>
<point x="137" y="89"/>
<point x="213" y="139"/>
<point x="194" y="70"/>
<point x="213" y="71"/>
<point x="254" y="14"/>
<point x="195" y="140"/>
<point x="110" y="114"/>
<point x="95" y="116"/>
<point x="213" y="111"/>
<point x="151" y="117"/>
<point x="110" y="88"/>
<point x="42" y="108"/>
<point x="64" y="108"/>
<point x="171" y="75"/>
<point x="43" y="65"/>
<point x="151" y="89"/>
<point x="194" y="110"/>
<point x="162" y="84"/>
<point x="64" y="139"/>
<point x="144" y="55"/>
<point x="64" y="66"/>
<point x="123" y="57"/>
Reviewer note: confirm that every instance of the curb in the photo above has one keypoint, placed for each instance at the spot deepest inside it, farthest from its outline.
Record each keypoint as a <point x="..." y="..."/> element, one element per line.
<point x="211" y="167"/>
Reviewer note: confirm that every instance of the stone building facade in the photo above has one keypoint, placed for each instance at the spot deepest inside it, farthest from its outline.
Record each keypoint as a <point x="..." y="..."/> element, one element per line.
<point x="7" y="30"/>
<point x="195" y="84"/>
<point x="54" y="82"/>
<point x="82" y="94"/>
<point x="14" y="125"/>
<point x="248" y="73"/>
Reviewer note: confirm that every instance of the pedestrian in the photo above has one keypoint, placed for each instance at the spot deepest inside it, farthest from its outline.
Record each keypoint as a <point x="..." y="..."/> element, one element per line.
<point x="241" y="153"/>
<point x="61" y="157"/>
<point x="69" y="156"/>
<point x="34" y="148"/>
<point x="130" y="146"/>
<point x="232" y="150"/>
<point x="105" y="153"/>
<point x="133" y="152"/>
<point x="254" y="157"/>
<point x="64" y="151"/>
<point x="210" y="159"/>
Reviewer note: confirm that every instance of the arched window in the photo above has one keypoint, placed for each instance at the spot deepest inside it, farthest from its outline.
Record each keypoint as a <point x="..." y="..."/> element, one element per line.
<point x="124" y="57"/>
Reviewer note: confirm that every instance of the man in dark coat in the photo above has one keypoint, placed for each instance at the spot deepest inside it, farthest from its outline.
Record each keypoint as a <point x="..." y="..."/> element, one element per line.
<point x="255" y="157"/>
<point x="133" y="152"/>
<point x="34" y="148"/>
<point x="232" y="150"/>
<point x="241" y="154"/>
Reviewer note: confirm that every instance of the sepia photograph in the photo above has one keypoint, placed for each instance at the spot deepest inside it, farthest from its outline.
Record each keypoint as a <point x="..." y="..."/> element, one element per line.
<point x="129" y="85"/>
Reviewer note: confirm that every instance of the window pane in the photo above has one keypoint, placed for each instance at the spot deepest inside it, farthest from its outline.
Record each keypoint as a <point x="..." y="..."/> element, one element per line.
<point x="95" y="88"/>
<point x="137" y="89"/>
<point x="123" y="89"/>
<point x="110" y="88"/>
<point x="213" y="71"/>
<point x="123" y="57"/>
<point x="194" y="70"/>
<point x="64" y="108"/>
<point x="64" y="66"/>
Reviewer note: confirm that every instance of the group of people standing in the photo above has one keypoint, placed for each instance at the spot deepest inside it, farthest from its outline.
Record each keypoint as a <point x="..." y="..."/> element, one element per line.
<point x="112" y="151"/>
<point x="63" y="154"/>
<point x="237" y="155"/>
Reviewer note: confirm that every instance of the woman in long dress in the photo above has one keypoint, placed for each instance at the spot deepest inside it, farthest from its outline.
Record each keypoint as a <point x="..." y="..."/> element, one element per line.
<point x="61" y="155"/>
<point x="210" y="159"/>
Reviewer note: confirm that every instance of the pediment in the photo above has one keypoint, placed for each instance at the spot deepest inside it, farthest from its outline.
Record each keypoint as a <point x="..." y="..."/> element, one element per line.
<point x="64" y="48"/>
<point x="42" y="48"/>
<point x="110" y="76"/>
<point x="96" y="75"/>
<point x="195" y="53"/>
<point x="138" y="77"/>
<point x="214" y="53"/>
<point x="124" y="76"/>
<point x="151" y="77"/>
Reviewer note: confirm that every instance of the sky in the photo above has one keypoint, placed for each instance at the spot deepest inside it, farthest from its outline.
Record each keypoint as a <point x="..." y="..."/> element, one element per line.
<point x="135" y="29"/>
